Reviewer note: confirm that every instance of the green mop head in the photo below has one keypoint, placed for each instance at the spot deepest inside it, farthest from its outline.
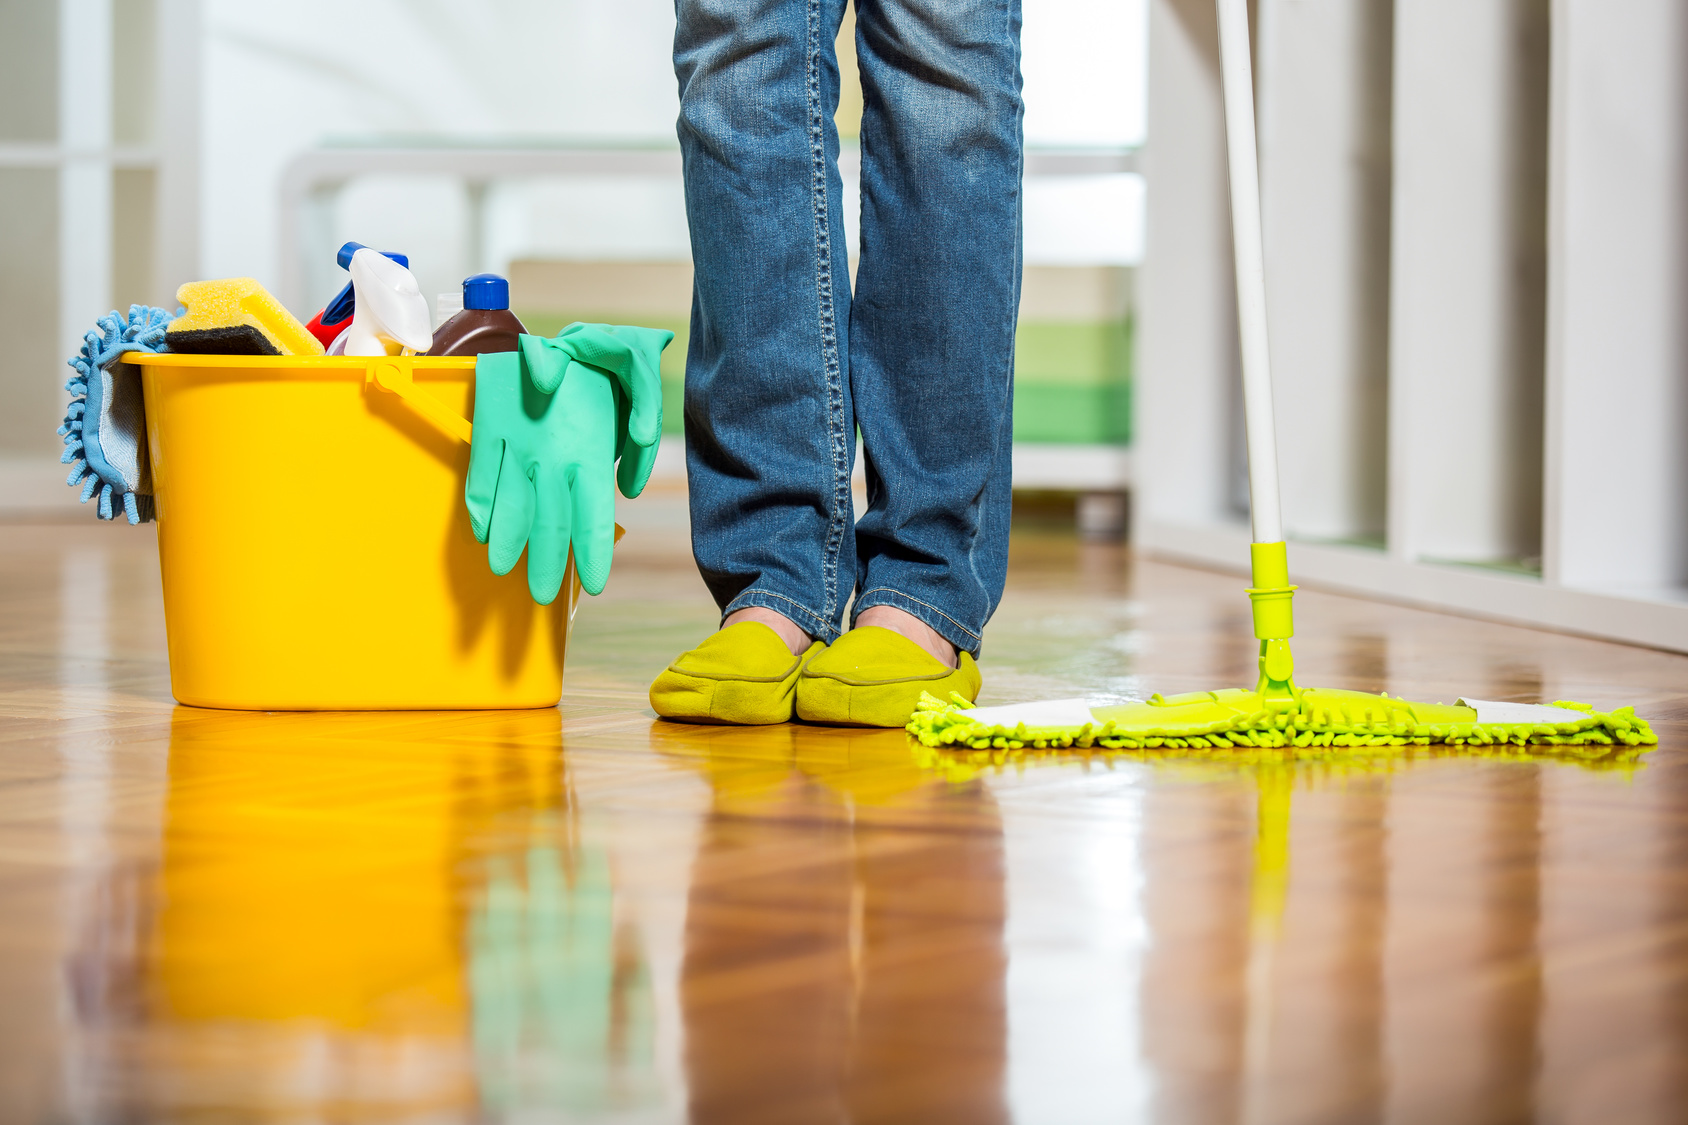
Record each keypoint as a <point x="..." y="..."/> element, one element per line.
<point x="1309" y="719"/>
<point x="1276" y="718"/>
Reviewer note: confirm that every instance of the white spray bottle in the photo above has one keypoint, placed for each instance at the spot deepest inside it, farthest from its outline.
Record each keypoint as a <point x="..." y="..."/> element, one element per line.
<point x="391" y="311"/>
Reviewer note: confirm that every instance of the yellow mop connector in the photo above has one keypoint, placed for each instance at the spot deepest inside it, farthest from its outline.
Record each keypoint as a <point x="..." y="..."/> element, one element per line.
<point x="1272" y="598"/>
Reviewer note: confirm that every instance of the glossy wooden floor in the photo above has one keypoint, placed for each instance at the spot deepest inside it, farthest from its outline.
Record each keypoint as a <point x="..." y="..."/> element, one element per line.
<point x="587" y="915"/>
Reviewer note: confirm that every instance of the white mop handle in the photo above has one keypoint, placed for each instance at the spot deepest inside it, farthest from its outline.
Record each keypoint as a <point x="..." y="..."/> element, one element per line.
<point x="1238" y="81"/>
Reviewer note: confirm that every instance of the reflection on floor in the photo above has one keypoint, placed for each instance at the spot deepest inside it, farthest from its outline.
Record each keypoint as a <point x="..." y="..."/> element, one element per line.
<point x="588" y="915"/>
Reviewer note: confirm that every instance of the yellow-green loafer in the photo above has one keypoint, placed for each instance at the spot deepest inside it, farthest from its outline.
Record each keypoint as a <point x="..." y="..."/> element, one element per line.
<point x="873" y="677"/>
<point x="742" y="674"/>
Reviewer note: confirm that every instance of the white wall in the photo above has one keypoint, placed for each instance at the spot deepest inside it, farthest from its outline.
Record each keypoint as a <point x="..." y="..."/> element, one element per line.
<point x="1468" y="279"/>
<point x="1187" y="350"/>
<point x="1085" y="64"/>
<point x="1084" y="67"/>
<point x="1325" y="168"/>
<point x="1617" y="372"/>
<point x="290" y="74"/>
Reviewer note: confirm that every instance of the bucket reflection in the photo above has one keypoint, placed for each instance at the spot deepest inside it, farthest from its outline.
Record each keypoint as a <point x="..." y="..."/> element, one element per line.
<point x="378" y="916"/>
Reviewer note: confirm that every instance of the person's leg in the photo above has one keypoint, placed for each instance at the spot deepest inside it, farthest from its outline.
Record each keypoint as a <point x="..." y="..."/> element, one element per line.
<point x="937" y="296"/>
<point x="931" y="354"/>
<point x="769" y="431"/>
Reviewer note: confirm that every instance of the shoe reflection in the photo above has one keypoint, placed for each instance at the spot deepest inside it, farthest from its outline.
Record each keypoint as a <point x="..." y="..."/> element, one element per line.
<point x="844" y="951"/>
<point x="383" y="915"/>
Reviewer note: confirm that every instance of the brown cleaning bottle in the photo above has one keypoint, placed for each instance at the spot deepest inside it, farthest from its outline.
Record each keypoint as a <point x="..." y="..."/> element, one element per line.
<point x="486" y="323"/>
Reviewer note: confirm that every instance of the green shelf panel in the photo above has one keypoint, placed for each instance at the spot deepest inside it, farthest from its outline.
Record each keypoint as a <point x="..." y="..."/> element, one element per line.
<point x="1049" y="413"/>
<point x="1082" y="353"/>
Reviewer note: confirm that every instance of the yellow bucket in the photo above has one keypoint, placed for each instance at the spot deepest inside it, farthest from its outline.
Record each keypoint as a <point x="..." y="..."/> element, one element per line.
<point x="314" y="543"/>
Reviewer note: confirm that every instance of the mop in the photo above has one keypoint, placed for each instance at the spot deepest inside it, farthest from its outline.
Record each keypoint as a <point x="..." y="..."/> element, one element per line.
<point x="1276" y="714"/>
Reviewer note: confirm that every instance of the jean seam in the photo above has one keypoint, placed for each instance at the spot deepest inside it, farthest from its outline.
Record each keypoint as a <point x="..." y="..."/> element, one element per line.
<point x="748" y="598"/>
<point x="910" y="597"/>
<point x="1012" y="322"/>
<point x="828" y="322"/>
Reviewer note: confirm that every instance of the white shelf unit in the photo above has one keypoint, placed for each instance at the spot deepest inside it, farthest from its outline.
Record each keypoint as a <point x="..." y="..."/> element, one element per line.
<point x="99" y="195"/>
<point x="313" y="180"/>
<point x="1477" y="254"/>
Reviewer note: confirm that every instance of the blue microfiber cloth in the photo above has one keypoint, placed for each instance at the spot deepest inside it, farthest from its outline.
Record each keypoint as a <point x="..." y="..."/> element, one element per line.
<point x="105" y="431"/>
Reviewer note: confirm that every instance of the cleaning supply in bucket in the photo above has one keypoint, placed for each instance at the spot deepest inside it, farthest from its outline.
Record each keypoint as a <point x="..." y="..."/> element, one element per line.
<point x="104" y="431"/>
<point x="543" y="480"/>
<point x="365" y="589"/>
<point x="632" y="356"/>
<point x="236" y="316"/>
<point x="391" y="313"/>
<point x="547" y="480"/>
<point x="485" y="323"/>
<point x="446" y="306"/>
<point x="336" y="316"/>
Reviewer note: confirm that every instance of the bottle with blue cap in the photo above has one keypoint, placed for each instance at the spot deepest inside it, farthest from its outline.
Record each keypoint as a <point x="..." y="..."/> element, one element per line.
<point x="486" y="323"/>
<point x="336" y="316"/>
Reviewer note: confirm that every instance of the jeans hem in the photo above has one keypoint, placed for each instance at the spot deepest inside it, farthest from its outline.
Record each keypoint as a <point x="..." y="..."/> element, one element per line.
<point x="942" y="623"/>
<point x="806" y="619"/>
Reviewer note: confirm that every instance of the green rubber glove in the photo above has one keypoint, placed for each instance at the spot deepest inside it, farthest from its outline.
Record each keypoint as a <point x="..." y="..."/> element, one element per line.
<point x="540" y="471"/>
<point x="633" y="357"/>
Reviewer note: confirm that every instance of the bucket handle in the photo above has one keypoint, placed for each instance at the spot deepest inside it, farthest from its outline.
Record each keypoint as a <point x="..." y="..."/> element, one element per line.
<point x="396" y="374"/>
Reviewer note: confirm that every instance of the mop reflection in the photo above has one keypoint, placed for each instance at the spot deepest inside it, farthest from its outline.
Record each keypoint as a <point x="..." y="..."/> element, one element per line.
<point x="844" y="932"/>
<point x="382" y="916"/>
<point x="1290" y="948"/>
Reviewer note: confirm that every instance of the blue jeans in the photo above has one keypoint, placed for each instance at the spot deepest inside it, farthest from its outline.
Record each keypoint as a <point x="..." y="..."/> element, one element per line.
<point x="785" y="366"/>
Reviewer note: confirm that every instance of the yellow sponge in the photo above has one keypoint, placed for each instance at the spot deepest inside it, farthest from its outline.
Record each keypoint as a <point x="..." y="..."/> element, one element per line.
<point x="236" y="316"/>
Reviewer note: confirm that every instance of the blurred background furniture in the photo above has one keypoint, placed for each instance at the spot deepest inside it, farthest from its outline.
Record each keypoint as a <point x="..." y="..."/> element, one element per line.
<point x="1476" y="247"/>
<point x="1472" y="212"/>
<point x="1072" y="409"/>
